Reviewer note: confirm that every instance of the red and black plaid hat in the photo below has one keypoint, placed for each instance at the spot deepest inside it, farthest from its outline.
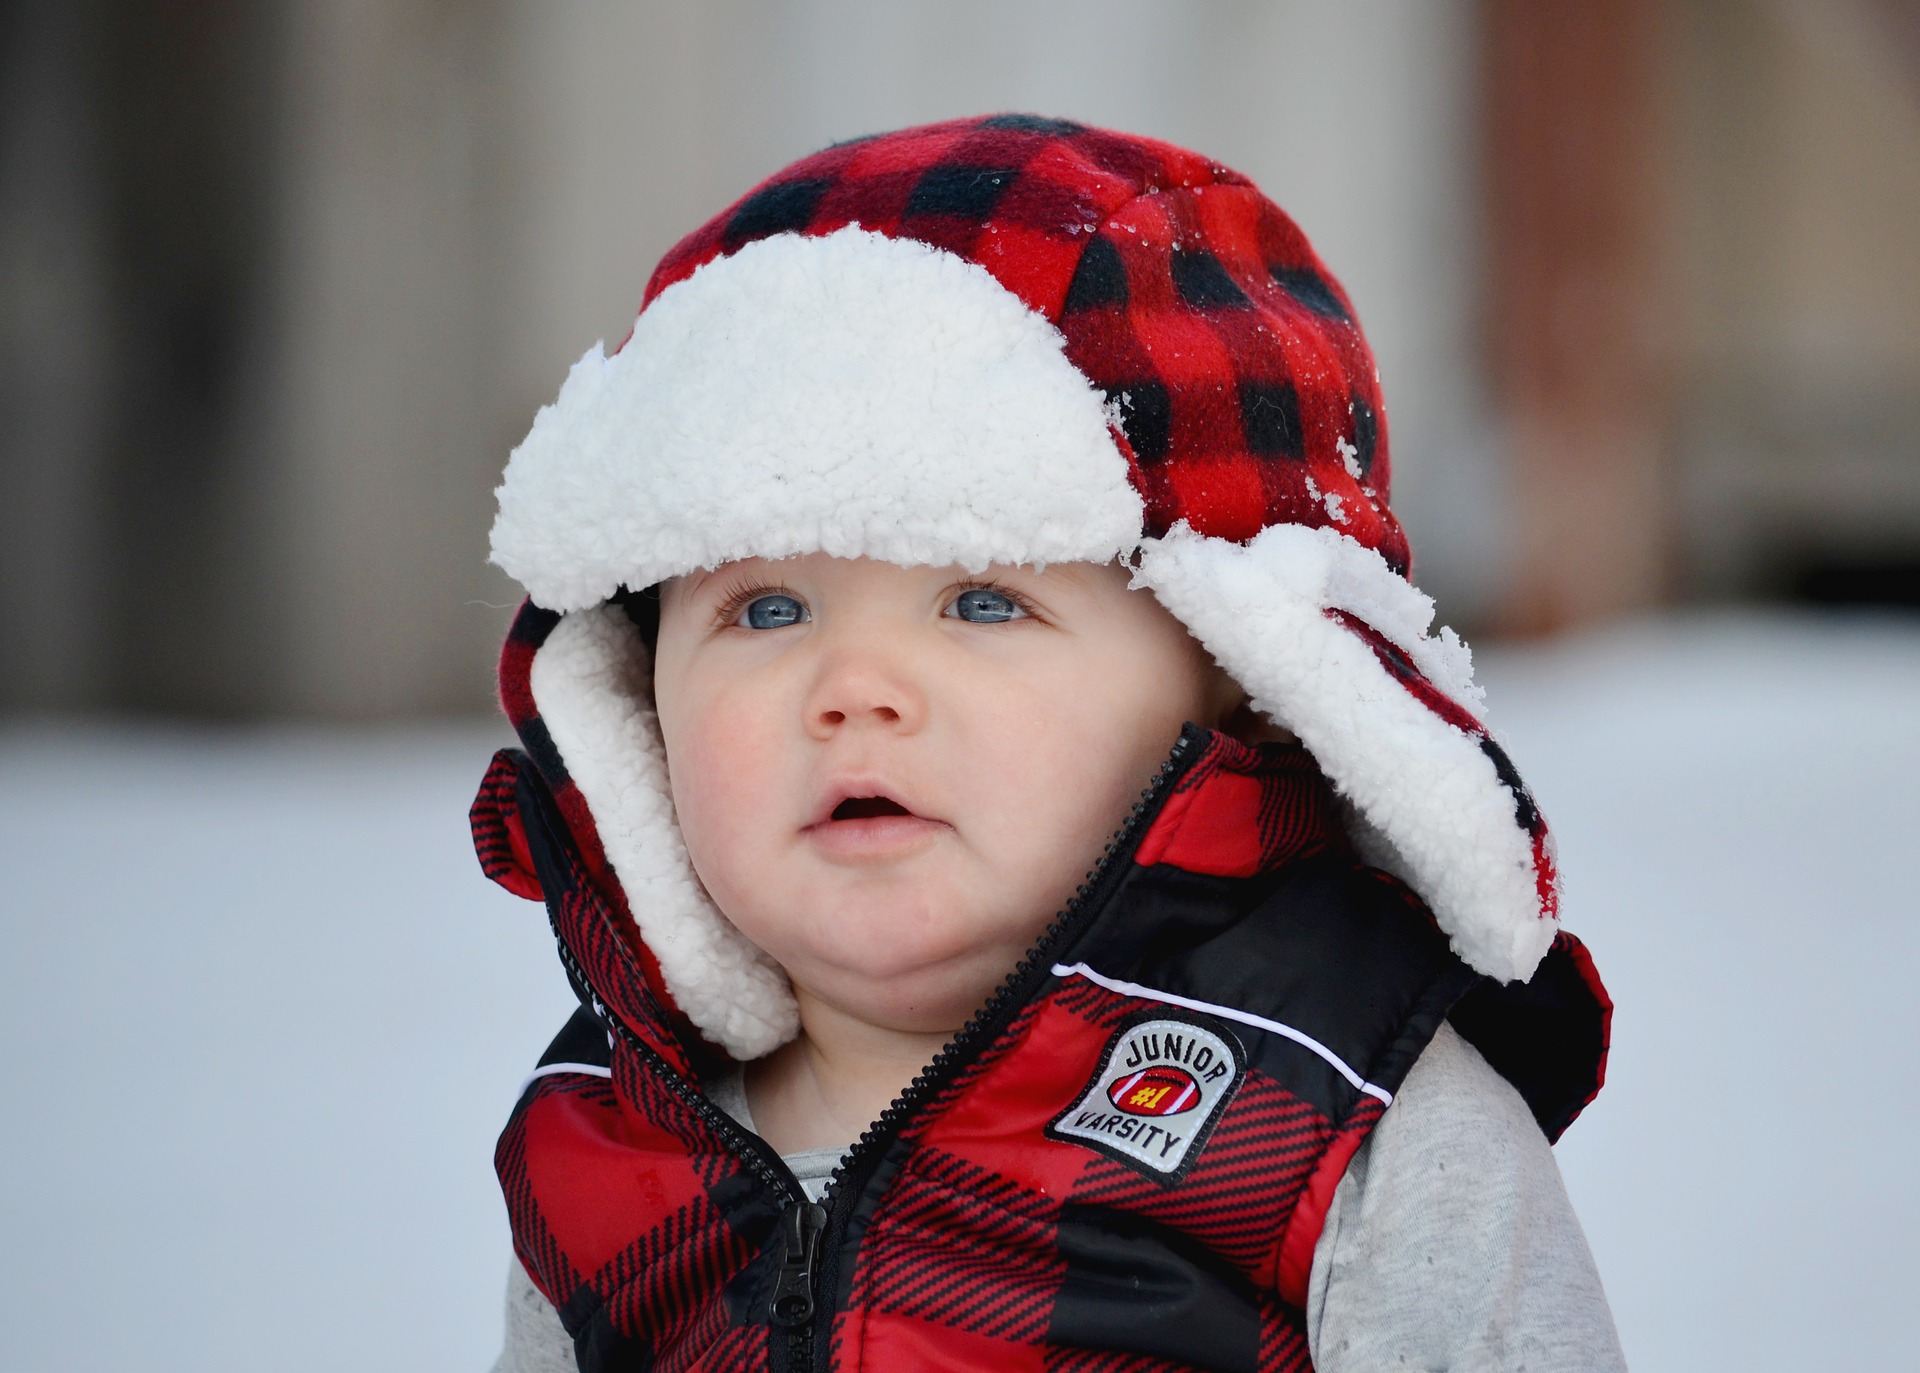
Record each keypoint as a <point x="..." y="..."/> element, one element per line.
<point x="1244" y="391"/>
<point x="1023" y="340"/>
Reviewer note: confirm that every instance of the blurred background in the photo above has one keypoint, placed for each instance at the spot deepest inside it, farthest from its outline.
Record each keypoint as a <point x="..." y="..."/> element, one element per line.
<point x="282" y="283"/>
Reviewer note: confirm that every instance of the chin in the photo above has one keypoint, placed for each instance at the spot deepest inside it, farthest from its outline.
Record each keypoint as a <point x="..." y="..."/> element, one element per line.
<point x="880" y="960"/>
<point x="881" y="946"/>
<point x="934" y="978"/>
<point x="917" y="1005"/>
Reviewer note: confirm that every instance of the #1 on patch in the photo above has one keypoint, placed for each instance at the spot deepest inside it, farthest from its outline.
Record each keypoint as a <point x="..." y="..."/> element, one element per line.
<point x="1162" y="1083"/>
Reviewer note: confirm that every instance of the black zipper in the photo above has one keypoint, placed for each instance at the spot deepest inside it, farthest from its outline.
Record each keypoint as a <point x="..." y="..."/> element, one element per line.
<point x="857" y="1166"/>
<point x="810" y="1233"/>
<point x="759" y="1156"/>
<point x="800" y="1228"/>
<point x="801" y="1221"/>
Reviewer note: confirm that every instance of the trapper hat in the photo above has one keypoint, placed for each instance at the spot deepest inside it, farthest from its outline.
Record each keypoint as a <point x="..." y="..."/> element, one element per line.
<point x="1014" y="340"/>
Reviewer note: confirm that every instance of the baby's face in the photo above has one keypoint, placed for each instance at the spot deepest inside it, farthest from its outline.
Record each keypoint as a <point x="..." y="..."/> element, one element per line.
<point x="892" y="778"/>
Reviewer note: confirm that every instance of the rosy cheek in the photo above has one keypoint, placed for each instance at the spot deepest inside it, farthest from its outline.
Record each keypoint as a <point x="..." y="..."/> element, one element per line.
<point x="1015" y="756"/>
<point x="721" y="764"/>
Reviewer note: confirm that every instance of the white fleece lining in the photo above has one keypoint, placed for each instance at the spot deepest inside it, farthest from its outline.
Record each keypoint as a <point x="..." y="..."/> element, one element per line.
<point x="1429" y="805"/>
<point x="849" y="394"/>
<point x="1258" y="1022"/>
<point x="873" y="397"/>
<point x="1425" y="786"/>
<point x="592" y="682"/>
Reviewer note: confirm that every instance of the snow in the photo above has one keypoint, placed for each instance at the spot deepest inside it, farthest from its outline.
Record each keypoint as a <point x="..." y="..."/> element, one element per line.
<point x="260" y="1016"/>
<point x="1736" y="799"/>
<point x="262" y="1020"/>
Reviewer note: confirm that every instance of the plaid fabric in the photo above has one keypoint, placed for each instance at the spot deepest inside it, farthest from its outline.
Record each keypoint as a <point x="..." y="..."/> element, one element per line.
<point x="1257" y="1162"/>
<point x="635" y="1292"/>
<point x="1293" y="810"/>
<point x="958" y="1245"/>
<point x="587" y="905"/>
<point x="1244" y="391"/>
<point x="1531" y="1034"/>
<point x="1243" y="395"/>
<point x="1526" y="813"/>
<point x="981" y="1240"/>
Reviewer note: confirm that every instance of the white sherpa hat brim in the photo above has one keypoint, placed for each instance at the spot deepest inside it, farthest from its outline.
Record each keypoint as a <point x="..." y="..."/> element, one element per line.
<point x="860" y="395"/>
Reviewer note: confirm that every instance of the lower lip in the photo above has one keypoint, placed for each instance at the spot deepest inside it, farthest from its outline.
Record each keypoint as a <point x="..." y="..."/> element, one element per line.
<point x="874" y="838"/>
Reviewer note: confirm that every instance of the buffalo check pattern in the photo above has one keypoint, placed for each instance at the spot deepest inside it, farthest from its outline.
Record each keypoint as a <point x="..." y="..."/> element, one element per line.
<point x="1239" y="383"/>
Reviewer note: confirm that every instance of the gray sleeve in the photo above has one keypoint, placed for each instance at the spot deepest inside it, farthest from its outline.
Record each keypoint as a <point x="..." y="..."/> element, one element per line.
<point x="1451" y="1244"/>
<point x="536" y="1341"/>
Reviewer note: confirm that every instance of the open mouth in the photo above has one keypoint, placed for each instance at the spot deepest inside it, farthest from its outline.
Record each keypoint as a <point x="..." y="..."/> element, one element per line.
<point x="867" y="808"/>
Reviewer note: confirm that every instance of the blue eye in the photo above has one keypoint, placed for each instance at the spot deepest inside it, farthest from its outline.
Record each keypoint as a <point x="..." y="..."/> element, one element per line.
<point x="775" y="611"/>
<point x="982" y="605"/>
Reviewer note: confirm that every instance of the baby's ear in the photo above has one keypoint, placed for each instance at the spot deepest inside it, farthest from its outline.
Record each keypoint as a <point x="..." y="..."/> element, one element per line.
<point x="642" y="607"/>
<point x="1242" y="722"/>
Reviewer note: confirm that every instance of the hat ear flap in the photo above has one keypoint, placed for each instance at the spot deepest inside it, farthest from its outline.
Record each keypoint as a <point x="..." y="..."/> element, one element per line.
<point x="499" y="835"/>
<point x="592" y="683"/>
<point x="1331" y="644"/>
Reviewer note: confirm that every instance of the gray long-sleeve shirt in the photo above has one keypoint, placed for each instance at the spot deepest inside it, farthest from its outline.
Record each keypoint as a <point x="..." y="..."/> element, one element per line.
<point x="1450" y="1244"/>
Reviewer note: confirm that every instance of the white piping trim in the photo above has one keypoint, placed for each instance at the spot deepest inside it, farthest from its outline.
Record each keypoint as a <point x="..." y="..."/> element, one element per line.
<point x="549" y="1069"/>
<point x="1305" y="1041"/>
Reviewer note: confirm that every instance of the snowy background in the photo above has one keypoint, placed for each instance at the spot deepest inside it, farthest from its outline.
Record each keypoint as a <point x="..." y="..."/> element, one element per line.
<point x="260" y="1016"/>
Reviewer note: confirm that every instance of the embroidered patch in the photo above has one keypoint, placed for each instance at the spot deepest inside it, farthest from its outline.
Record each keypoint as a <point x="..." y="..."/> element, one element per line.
<point x="1161" y="1085"/>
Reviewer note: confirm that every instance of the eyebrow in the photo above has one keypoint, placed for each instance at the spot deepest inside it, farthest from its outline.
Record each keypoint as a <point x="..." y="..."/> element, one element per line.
<point x="689" y="582"/>
<point x="1074" y="571"/>
<point x="1080" y="575"/>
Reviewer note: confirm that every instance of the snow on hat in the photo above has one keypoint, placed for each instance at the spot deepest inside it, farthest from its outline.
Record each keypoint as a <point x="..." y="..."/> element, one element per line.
<point x="1014" y="340"/>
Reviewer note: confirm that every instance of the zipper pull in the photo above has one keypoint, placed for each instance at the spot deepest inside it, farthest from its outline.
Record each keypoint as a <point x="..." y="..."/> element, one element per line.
<point x="793" y="1294"/>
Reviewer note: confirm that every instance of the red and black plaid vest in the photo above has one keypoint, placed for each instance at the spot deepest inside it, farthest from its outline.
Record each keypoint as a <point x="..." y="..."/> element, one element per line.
<point x="1123" y="1162"/>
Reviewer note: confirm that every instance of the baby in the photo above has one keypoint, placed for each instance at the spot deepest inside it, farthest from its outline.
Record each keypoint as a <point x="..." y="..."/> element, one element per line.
<point x="1038" y="896"/>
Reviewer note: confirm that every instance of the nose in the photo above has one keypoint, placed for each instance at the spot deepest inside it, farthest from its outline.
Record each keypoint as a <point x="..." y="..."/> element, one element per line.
<point x="865" y="683"/>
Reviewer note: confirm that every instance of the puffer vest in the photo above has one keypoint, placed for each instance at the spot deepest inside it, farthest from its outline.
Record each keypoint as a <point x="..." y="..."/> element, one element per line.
<point x="1123" y="1161"/>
